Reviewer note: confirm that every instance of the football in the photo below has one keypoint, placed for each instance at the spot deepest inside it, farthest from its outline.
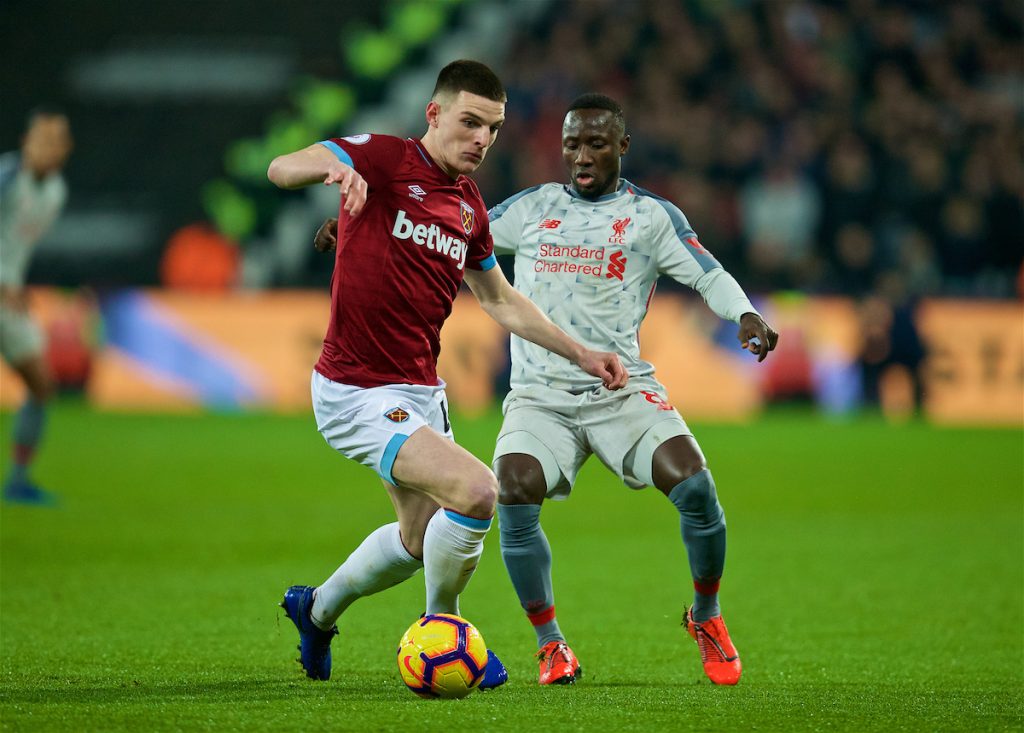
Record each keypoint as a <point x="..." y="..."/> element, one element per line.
<point x="442" y="655"/>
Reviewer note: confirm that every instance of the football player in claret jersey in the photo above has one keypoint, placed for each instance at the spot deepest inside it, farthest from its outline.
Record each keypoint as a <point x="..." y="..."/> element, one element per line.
<point x="32" y="195"/>
<point x="412" y="227"/>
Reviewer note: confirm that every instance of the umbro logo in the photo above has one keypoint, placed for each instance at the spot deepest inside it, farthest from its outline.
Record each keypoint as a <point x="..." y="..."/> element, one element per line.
<point x="415" y="192"/>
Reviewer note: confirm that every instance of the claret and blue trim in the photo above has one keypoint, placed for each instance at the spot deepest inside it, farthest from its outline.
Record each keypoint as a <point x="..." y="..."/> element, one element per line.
<point x="387" y="461"/>
<point x="469" y="522"/>
<point x="339" y="152"/>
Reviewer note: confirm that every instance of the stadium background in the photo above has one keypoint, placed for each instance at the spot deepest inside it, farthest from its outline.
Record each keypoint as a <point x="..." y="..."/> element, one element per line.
<point x="857" y="166"/>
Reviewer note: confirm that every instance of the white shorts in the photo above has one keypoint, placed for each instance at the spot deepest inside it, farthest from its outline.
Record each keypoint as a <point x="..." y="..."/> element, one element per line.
<point x="20" y="337"/>
<point x="562" y="430"/>
<point x="369" y="424"/>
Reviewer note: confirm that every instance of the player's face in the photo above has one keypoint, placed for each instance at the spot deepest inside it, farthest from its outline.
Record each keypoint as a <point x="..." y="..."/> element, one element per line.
<point x="46" y="145"/>
<point x="592" y="145"/>
<point x="463" y="128"/>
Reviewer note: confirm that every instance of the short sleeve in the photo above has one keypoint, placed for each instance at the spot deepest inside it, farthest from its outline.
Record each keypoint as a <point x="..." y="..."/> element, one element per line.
<point x="481" y="244"/>
<point x="375" y="157"/>
<point x="507" y="222"/>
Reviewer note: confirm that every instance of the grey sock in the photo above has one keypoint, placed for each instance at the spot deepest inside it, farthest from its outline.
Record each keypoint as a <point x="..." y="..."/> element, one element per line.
<point x="702" y="522"/>
<point x="527" y="556"/>
<point x="28" y="429"/>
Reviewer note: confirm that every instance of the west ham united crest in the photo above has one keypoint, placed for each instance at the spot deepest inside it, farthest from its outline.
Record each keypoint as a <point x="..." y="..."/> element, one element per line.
<point x="396" y="414"/>
<point x="468" y="217"/>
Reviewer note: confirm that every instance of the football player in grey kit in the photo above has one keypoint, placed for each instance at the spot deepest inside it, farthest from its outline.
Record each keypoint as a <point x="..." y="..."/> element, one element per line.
<point x="589" y="254"/>
<point x="32" y="195"/>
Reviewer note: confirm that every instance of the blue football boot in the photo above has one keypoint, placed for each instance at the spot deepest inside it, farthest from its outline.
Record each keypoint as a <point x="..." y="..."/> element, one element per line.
<point x="314" y="642"/>
<point x="495" y="675"/>
<point x="26" y="492"/>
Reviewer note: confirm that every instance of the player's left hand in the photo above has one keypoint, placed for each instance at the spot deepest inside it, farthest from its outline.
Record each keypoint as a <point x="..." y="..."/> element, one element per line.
<point x="326" y="237"/>
<point x="352" y="186"/>
<point x="607" y="366"/>
<point x="757" y="336"/>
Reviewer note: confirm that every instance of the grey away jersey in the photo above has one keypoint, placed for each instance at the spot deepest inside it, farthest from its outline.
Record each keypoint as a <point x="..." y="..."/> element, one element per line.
<point x="591" y="267"/>
<point x="28" y="209"/>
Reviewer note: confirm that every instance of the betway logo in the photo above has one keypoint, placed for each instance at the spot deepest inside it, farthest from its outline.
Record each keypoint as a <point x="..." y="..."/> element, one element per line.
<point x="430" y="237"/>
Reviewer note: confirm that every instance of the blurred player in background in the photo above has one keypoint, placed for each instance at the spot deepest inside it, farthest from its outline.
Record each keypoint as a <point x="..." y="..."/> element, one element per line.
<point x="32" y="195"/>
<point x="589" y="255"/>
<point x="412" y="226"/>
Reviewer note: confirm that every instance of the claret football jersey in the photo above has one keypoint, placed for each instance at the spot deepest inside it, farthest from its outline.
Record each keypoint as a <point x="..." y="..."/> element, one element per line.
<point x="399" y="263"/>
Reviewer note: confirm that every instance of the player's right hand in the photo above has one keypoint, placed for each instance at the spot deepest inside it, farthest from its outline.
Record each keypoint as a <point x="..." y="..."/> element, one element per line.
<point x="351" y="184"/>
<point x="607" y="366"/>
<point x="326" y="238"/>
<point x="757" y="336"/>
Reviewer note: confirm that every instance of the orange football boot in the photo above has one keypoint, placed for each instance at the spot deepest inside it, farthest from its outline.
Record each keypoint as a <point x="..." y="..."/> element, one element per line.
<point x="720" y="658"/>
<point x="558" y="665"/>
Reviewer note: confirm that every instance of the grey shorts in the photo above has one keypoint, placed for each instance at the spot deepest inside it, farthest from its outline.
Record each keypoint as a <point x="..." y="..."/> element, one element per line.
<point x="20" y="337"/>
<point x="561" y="430"/>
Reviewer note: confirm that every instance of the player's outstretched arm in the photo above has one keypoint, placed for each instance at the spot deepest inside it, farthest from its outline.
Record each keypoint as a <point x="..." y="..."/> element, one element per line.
<point x="754" y="334"/>
<point x="518" y="314"/>
<point x="317" y="164"/>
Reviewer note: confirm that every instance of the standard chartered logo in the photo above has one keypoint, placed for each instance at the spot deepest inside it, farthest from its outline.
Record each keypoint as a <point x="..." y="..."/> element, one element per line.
<point x="430" y="237"/>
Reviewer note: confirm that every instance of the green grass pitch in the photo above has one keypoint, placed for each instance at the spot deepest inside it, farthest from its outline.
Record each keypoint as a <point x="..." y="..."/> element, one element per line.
<point x="875" y="581"/>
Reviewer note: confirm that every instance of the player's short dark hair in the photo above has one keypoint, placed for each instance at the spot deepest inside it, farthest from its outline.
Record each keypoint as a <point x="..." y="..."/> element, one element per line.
<point x="474" y="77"/>
<point x="593" y="100"/>
<point x="43" y="110"/>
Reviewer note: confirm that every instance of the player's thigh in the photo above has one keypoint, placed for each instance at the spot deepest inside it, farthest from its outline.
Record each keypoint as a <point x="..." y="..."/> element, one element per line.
<point x="540" y="424"/>
<point x="370" y="425"/>
<point x="626" y="428"/>
<point x="414" y="511"/>
<point x="449" y="474"/>
<point x="21" y="344"/>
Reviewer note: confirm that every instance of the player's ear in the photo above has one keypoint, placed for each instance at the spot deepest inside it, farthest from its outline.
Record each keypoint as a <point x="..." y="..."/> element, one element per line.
<point x="433" y="112"/>
<point x="624" y="145"/>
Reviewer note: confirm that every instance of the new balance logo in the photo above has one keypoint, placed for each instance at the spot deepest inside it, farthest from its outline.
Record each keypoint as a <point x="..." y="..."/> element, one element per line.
<point x="616" y="265"/>
<point x="430" y="237"/>
<point x="550" y="224"/>
<point x="415" y="192"/>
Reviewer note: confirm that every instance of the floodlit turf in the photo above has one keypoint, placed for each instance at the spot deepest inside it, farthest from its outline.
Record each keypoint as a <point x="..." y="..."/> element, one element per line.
<point x="874" y="582"/>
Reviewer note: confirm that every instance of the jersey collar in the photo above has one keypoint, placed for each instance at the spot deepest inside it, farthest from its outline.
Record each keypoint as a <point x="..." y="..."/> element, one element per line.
<point x="429" y="162"/>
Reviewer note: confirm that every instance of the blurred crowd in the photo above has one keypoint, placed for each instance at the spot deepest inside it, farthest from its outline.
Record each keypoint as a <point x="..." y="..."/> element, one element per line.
<point x="831" y="147"/>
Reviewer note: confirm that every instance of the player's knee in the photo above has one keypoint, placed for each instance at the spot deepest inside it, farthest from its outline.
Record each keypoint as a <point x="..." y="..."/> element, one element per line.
<point x="38" y="381"/>
<point x="41" y="390"/>
<point x="675" y="461"/>
<point x="520" y="481"/>
<point x="697" y="499"/>
<point x="688" y="469"/>
<point x="478" y="494"/>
